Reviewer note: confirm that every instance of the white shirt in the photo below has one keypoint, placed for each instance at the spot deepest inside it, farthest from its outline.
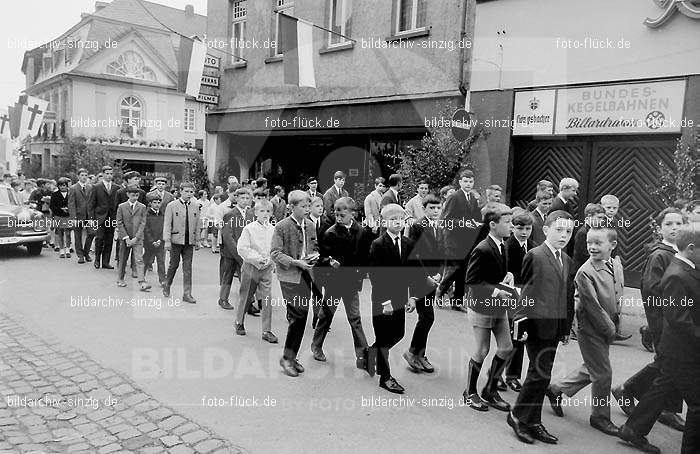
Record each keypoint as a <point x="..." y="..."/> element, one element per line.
<point x="562" y="198"/>
<point x="301" y="224"/>
<point x="683" y="259"/>
<point x="541" y="213"/>
<point x="393" y="240"/>
<point x="499" y="243"/>
<point x="554" y="252"/>
<point x="255" y="243"/>
<point x="523" y="245"/>
<point x="108" y="186"/>
<point x="671" y="245"/>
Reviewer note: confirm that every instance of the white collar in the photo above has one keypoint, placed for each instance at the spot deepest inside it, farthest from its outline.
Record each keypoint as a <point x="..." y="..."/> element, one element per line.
<point x="540" y="212"/>
<point x="523" y="244"/>
<point x="562" y="198"/>
<point x="552" y="248"/>
<point x="467" y="193"/>
<point x="301" y="224"/>
<point x="671" y="245"/>
<point x="393" y="236"/>
<point x="495" y="240"/>
<point x="683" y="259"/>
<point x="394" y="191"/>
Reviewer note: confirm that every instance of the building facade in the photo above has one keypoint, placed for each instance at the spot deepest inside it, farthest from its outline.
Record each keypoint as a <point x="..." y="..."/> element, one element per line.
<point x="113" y="78"/>
<point x="599" y="91"/>
<point x="373" y="92"/>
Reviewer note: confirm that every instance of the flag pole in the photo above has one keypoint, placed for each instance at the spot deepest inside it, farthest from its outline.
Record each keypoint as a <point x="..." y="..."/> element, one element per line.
<point x="317" y="26"/>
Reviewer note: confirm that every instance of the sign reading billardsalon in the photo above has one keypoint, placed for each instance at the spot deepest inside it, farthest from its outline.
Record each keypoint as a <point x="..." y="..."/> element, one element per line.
<point x="650" y="107"/>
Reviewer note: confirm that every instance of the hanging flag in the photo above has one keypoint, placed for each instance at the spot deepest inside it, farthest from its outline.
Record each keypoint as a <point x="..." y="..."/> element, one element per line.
<point x="15" y="114"/>
<point x="32" y="114"/>
<point x="297" y="40"/>
<point x="191" y="65"/>
<point x="4" y="123"/>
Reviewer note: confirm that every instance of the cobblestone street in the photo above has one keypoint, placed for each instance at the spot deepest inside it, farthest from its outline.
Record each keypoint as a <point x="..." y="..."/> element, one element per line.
<point x="57" y="399"/>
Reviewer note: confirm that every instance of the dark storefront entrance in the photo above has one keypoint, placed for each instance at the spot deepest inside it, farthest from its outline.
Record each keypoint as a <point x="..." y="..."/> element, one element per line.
<point x="623" y="167"/>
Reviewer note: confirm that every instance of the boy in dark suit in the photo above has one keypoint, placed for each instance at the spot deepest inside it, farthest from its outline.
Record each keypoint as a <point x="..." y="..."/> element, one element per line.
<point x="543" y="204"/>
<point x="488" y="267"/>
<point x="230" y="262"/>
<point x="334" y="193"/>
<point x="78" y="196"/>
<point x="322" y="223"/>
<point x="392" y="194"/>
<point x="427" y="235"/>
<point x="516" y="247"/>
<point x="131" y="222"/>
<point x="393" y="291"/>
<point x="564" y="200"/>
<point x="462" y="211"/>
<point x="153" y="237"/>
<point x="294" y="251"/>
<point x="599" y="287"/>
<point x="661" y="254"/>
<point x="102" y="209"/>
<point x="549" y="313"/>
<point x="680" y="347"/>
<point x="339" y="250"/>
<point x="594" y="217"/>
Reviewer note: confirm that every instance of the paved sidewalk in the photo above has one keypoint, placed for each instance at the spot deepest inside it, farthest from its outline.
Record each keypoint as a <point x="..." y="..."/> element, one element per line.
<point x="56" y="399"/>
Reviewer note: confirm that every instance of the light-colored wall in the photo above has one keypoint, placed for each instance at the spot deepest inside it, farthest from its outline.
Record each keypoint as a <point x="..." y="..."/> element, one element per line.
<point x="533" y="53"/>
<point x="347" y="74"/>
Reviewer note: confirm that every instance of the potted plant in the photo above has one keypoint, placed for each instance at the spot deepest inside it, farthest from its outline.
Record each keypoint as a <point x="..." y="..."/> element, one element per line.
<point x="143" y="142"/>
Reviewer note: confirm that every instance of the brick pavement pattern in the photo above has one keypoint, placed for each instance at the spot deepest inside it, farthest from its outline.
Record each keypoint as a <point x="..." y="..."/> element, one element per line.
<point x="56" y="399"/>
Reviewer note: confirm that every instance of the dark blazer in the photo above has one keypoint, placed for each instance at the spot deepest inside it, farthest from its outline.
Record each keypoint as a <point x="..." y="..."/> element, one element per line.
<point x="580" y="247"/>
<point x="392" y="278"/>
<point x="234" y="222"/>
<point x="325" y="224"/>
<point x="680" y="338"/>
<point x="660" y="256"/>
<point x="538" y="235"/>
<point x="387" y="198"/>
<point x="122" y="196"/>
<point x="487" y="267"/>
<point x="329" y="198"/>
<point x="545" y="298"/>
<point x="428" y="249"/>
<point x="460" y="239"/>
<point x="515" y="258"/>
<point x="557" y="204"/>
<point x="58" y="203"/>
<point x="166" y="198"/>
<point x="78" y="201"/>
<point x="102" y="204"/>
<point x="154" y="227"/>
<point x="343" y="245"/>
<point x="131" y="223"/>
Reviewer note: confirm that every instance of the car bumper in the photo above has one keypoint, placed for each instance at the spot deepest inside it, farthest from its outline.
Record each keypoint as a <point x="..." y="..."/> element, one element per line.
<point x="24" y="237"/>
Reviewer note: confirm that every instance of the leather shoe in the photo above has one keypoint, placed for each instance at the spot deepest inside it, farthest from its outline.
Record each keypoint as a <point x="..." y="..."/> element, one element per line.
<point x="166" y="291"/>
<point x="299" y="368"/>
<point x="97" y="264"/>
<point x="427" y="367"/>
<point x="252" y="310"/>
<point x="223" y="304"/>
<point x="538" y="432"/>
<point x="619" y="337"/>
<point x="647" y="341"/>
<point x="371" y="361"/>
<point x="637" y="441"/>
<point x="391" y="385"/>
<point x="474" y="401"/>
<point x="189" y="299"/>
<point x="145" y="287"/>
<point x="624" y="400"/>
<point x="318" y="354"/>
<point x="672" y="420"/>
<point x="412" y="361"/>
<point x="492" y="399"/>
<point x="81" y="260"/>
<point x="554" y="401"/>
<point x="88" y="258"/>
<point x="361" y="363"/>
<point x="121" y="284"/>
<point x="288" y="367"/>
<point x="604" y="425"/>
<point x="270" y="337"/>
<point x="514" y="384"/>
<point x="240" y="329"/>
<point x="107" y="266"/>
<point x="501" y="385"/>
<point x="520" y="430"/>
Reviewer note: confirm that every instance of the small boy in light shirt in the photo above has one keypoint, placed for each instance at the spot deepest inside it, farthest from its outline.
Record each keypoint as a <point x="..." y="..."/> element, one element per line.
<point x="256" y="271"/>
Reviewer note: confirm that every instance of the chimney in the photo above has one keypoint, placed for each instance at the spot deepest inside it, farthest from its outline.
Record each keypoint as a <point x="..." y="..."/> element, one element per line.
<point x="189" y="10"/>
<point x="100" y="5"/>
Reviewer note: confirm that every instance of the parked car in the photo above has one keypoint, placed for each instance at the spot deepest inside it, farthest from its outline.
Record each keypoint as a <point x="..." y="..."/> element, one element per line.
<point x="19" y="224"/>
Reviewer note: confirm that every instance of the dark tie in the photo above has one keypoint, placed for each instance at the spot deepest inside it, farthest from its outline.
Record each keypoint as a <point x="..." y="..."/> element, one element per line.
<point x="557" y="255"/>
<point x="524" y="248"/>
<point x="398" y="247"/>
<point x="82" y="189"/>
<point x="318" y="224"/>
<point x="500" y="249"/>
<point x="468" y="198"/>
<point x="187" y="224"/>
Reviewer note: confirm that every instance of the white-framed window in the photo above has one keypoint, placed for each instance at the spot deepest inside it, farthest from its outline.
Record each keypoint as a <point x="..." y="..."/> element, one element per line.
<point x="131" y="65"/>
<point x="411" y="15"/>
<point x="189" y="119"/>
<point x="130" y="114"/>
<point x="239" y="16"/>
<point x="339" y="15"/>
<point x="280" y="6"/>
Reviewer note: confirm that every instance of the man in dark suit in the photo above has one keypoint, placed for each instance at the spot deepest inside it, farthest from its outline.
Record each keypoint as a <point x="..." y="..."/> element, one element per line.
<point x="549" y="313"/>
<point x="339" y="251"/>
<point x="230" y="261"/>
<point x="427" y="235"/>
<point x="565" y="201"/>
<point x="543" y="206"/>
<point x="462" y="218"/>
<point x="165" y="196"/>
<point x="102" y="210"/>
<point x="78" y="196"/>
<point x="392" y="194"/>
<point x="394" y="280"/>
<point x="488" y="267"/>
<point x="312" y="183"/>
<point x="334" y="193"/>
<point x="680" y="348"/>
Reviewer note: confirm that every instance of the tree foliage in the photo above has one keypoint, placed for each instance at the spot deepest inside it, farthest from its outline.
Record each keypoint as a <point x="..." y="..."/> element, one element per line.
<point x="195" y="171"/>
<point x="679" y="181"/>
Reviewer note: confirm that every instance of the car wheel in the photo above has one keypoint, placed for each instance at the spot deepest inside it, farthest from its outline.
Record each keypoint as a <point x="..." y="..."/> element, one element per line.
<point x="34" y="248"/>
